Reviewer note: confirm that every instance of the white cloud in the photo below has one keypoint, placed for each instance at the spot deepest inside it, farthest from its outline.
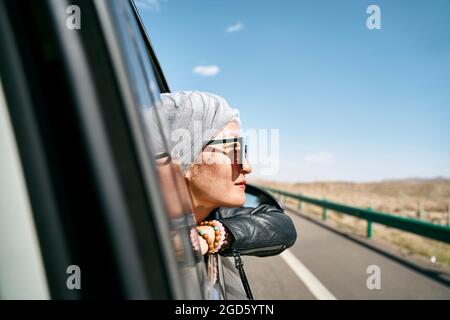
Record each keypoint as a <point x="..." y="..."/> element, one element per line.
<point x="320" y="157"/>
<point x="235" y="27"/>
<point x="207" y="71"/>
<point x="154" y="5"/>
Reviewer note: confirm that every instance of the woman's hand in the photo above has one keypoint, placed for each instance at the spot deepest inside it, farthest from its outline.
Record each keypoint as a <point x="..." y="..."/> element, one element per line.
<point x="203" y="244"/>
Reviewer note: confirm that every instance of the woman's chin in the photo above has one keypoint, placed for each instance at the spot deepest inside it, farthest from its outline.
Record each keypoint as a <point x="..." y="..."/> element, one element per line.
<point x="237" y="201"/>
<point x="242" y="200"/>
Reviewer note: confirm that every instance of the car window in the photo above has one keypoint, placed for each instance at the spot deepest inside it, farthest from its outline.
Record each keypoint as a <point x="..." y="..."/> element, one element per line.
<point x="146" y="96"/>
<point x="126" y="192"/>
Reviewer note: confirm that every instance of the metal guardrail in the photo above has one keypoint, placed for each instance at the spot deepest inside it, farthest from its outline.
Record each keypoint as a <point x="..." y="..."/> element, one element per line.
<point x="423" y="228"/>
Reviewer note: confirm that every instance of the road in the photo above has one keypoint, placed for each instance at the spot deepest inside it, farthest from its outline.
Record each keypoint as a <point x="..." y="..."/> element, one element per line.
<point x="325" y="264"/>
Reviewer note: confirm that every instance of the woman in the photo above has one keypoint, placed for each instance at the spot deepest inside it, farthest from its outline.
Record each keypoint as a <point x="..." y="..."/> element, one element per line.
<point x="213" y="161"/>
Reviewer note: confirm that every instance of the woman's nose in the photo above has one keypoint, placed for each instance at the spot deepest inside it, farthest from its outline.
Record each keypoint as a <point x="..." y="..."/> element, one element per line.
<point x="246" y="167"/>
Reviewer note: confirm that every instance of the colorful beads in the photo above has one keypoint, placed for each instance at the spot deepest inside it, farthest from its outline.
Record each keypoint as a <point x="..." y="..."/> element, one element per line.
<point x="215" y="243"/>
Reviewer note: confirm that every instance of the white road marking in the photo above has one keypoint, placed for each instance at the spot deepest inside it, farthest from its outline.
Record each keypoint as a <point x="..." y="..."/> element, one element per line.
<point x="306" y="276"/>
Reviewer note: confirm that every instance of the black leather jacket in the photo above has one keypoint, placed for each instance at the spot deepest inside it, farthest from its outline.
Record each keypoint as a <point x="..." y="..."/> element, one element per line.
<point x="261" y="231"/>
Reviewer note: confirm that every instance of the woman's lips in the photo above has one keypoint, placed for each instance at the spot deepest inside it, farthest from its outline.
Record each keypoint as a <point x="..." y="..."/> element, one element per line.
<point x="241" y="185"/>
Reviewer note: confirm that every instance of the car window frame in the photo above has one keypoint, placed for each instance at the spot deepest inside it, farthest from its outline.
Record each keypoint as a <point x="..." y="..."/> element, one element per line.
<point x="130" y="281"/>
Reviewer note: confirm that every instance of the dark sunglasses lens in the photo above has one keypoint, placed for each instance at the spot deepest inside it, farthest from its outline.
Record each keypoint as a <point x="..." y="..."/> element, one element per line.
<point x="243" y="155"/>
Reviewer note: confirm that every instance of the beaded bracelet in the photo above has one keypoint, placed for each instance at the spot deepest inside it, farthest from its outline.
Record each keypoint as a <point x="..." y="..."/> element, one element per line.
<point x="194" y="240"/>
<point x="215" y="244"/>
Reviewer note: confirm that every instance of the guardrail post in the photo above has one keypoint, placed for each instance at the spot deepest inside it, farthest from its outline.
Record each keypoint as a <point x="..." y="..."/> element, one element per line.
<point x="300" y="206"/>
<point x="369" y="229"/>
<point x="324" y="213"/>
<point x="369" y="226"/>
<point x="448" y="216"/>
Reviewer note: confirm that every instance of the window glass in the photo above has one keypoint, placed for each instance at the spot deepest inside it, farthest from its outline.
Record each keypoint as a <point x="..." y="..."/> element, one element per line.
<point x="146" y="94"/>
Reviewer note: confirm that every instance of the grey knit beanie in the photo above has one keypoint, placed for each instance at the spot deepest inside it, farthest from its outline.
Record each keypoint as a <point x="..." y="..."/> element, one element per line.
<point x="194" y="118"/>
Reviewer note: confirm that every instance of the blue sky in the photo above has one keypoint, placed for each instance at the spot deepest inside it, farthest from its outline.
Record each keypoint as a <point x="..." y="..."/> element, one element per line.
<point x="351" y="103"/>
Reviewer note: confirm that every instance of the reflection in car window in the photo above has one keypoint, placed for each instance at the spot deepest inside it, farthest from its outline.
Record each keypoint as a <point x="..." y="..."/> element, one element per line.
<point x="173" y="189"/>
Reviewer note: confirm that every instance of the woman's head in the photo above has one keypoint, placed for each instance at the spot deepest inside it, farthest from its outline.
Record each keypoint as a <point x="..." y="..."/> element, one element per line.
<point x="205" y="130"/>
<point x="217" y="179"/>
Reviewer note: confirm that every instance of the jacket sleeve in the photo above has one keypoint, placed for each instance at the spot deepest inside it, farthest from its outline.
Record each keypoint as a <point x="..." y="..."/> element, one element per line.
<point x="262" y="231"/>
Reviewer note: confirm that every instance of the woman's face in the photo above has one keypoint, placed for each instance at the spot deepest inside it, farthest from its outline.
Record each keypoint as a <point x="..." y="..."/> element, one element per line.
<point x="217" y="179"/>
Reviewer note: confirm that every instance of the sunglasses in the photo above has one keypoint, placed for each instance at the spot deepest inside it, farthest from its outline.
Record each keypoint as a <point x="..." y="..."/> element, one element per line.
<point x="239" y="148"/>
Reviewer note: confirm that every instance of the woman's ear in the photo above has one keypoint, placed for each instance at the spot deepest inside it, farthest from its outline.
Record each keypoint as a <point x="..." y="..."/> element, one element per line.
<point x="191" y="172"/>
<point x="188" y="175"/>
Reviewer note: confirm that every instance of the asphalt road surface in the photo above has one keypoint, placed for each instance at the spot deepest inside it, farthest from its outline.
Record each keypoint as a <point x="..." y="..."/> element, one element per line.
<point x="327" y="264"/>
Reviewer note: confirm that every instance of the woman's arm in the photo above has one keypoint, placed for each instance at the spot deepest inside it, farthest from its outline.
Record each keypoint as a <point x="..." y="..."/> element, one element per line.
<point x="262" y="231"/>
